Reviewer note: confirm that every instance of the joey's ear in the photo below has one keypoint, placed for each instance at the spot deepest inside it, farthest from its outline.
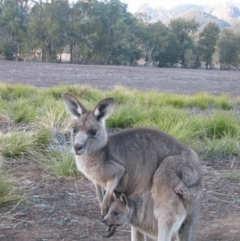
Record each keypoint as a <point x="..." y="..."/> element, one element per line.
<point x="123" y="198"/>
<point x="104" y="109"/>
<point x="74" y="107"/>
<point x="114" y="197"/>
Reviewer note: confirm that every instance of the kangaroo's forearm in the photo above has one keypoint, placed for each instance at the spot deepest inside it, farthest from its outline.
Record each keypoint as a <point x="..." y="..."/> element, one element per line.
<point x="99" y="193"/>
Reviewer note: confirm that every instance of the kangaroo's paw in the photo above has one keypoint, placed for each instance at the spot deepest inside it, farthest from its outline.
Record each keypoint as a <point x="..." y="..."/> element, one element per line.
<point x="104" y="209"/>
<point x="110" y="232"/>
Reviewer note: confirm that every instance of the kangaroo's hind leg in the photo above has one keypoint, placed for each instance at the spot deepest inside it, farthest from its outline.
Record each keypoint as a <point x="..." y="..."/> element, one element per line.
<point x="169" y="212"/>
<point x="136" y="235"/>
<point x="169" y="209"/>
<point x="189" y="226"/>
<point x="168" y="226"/>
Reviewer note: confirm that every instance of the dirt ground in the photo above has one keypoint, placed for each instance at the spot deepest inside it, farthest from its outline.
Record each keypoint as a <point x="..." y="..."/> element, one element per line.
<point x="65" y="209"/>
<point x="106" y="77"/>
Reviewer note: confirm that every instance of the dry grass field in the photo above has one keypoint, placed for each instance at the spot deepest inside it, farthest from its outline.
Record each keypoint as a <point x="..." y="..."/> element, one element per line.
<point x="66" y="209"/>
<point x="106" y="77"/>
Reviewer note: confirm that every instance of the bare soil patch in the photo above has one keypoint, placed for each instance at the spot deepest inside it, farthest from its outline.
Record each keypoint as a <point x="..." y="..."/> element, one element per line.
<point x="107" y="77"/>
<point x="54" y="208"/>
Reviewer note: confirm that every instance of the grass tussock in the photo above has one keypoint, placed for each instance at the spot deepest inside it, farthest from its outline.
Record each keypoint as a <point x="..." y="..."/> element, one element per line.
<point x="18" y="110"/>
<point x="237" y="100"/>
<point x="201" y="100"/>
<point x="82" y="92"/>
<point x="8" y="193"/>
<point x="124" y="96"/>
<point x="224" y="146"/>
<point x="17" y="91"/>
<point x="53" y="116"/>
<point x="126" y="116"/>
<point x="205" y="100"/>
<point x="176" y="122"/>
<point x="234" y="175"/>
<point x="58" y="161"/>
<point x="42" y="112"/>
<point x="21" y="142"/>
<point x="220" y="125"/>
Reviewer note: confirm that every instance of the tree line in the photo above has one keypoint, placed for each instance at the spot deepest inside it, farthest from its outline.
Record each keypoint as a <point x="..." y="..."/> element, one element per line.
<point x="104" y="32"/>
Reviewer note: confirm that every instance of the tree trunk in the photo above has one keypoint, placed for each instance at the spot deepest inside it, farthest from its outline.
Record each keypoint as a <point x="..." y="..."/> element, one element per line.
<point x="43" y="55"/>
<point x="71" y="53"/>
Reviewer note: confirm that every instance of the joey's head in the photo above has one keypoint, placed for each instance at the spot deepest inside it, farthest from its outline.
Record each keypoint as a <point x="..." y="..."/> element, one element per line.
<point x="88" y="130"/>
<point x="119" y="212"/>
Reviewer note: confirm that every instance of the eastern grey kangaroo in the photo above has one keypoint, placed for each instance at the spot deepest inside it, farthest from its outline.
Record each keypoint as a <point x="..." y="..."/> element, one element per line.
<point x="139" y="212"/>
<point x="130" y="162"/>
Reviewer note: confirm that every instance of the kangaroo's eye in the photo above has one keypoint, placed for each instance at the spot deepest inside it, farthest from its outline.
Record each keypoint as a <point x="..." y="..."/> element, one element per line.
<point x="92" y="132"/>
<point x="115" y="213"/>
<point x="74" y="130"/>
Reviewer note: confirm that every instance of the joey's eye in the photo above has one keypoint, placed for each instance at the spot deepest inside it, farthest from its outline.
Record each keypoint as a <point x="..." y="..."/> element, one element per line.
<point x="92" y="132"/>
<point x="74" y="130"/>
<point x="114" y="213"/>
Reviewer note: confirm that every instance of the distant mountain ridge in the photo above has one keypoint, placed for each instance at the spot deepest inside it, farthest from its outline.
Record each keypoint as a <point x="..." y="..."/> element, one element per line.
<point x="184" y="7"/>
<point x="224" y="15"/>
<point x="228" y="12"/>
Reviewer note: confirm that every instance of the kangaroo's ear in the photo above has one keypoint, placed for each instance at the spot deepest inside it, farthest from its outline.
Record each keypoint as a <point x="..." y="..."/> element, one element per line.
<point x="123" y="198"/>
<point x="104" y="109"/>
<point x="74" y="107"/>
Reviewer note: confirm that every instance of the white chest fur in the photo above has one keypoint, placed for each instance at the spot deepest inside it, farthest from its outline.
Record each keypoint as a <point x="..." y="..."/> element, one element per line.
<point x="90" y="167"/>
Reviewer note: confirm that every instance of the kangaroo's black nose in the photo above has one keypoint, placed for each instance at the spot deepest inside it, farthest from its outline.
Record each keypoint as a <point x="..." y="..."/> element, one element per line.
<point x="104" y="221"/>
<point x="78" y="147"/>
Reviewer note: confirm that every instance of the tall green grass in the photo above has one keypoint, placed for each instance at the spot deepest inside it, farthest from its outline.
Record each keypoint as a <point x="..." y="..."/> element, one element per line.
<point x="82" y="92"/>
<point x="18" y="110"/>
<point x="205" y="100"/>
<point x="30" y="118"/>
<point x="124" y="96"/>
<point x="221" y="124"/>
<point x="225" y="146"/>
<point x="42" y="113"/>
<point x="58" y="161"/>
<point x="17" y="91"/>
<point x="53" y="115"/>
<point x="8" y="192"/>
<point x="21" y="142"/>
<point x="126" y="116"/>
<point x="234" y="175"/>
<point x="201" y="100"/>
<point x="176" y="122"/>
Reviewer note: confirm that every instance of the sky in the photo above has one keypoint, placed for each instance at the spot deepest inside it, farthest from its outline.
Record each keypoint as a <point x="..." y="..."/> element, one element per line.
<point x="167" y="4"/>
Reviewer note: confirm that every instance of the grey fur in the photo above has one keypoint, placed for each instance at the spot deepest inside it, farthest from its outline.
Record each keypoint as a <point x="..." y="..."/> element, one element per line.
<point x="135" y="161"/>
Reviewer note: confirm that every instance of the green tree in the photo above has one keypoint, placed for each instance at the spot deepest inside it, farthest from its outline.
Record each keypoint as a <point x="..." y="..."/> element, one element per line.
<point x="154" y="41"/>
<point x="180" y="40"/>
<point x="47" y="28"/>
<point x="60" y="17"/>
<point x="126" y="49"/>
<point x="75" y="29"/>
<point x="176" y="43"/>
<point x="133" y="39"/>
<point x="13" y="22"/>
<point x="109" y="33"/>
<point x="229" y="49"/>
<point x="168" y="53"/>
<point x="207" y="42"/>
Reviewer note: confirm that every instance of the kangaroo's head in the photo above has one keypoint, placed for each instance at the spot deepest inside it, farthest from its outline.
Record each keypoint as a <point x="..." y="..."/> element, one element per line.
<point x="88" y="130"/>
<point x="119" y="212"/>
